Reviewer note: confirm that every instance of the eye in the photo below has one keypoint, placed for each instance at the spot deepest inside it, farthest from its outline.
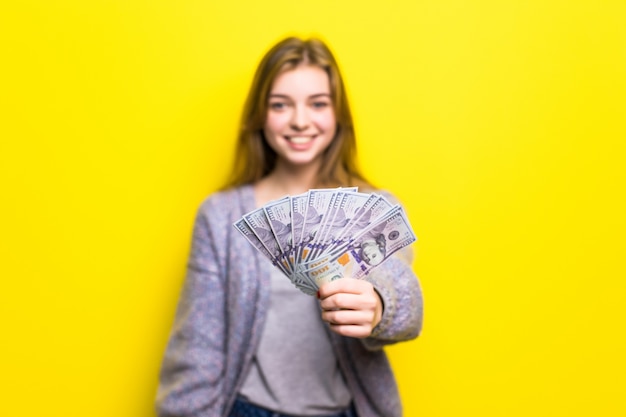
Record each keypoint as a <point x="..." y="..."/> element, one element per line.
<point x="320" y="104"/>
<point x="278" y="105"/>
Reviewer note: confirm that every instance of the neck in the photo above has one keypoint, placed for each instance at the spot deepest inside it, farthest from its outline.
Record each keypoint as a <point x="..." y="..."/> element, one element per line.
<point x="286" y="180"/>
<point x="293" y="180"/>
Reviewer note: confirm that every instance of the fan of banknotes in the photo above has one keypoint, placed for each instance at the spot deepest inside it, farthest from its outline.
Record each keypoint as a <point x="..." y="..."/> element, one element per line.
<point x="326" y="234"/>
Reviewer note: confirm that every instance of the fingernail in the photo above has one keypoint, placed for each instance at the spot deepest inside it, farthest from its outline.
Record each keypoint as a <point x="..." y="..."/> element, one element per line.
<point x="318" y="294"/>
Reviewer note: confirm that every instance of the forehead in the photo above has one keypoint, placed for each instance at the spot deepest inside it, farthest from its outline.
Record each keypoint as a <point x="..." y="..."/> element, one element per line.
<point x="303" y="80"/>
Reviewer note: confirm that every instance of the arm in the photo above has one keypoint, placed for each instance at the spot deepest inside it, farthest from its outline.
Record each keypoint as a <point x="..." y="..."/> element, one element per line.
<point x="191" y="377"/>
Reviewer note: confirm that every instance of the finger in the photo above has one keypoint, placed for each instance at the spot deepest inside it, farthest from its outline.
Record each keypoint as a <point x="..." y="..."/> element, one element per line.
<point x="348" y="317"/>
<point x="339" y="300"/>
<point x="343" y="285"/>
<point x="359" y="332"/>
<point x="349" y="301"/>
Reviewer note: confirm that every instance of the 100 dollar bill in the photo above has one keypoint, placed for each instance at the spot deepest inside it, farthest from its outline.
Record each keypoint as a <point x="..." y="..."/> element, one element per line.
<point x="364" y="252"/>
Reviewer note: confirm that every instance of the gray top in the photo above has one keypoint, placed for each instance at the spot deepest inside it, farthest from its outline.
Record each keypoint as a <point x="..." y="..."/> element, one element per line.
<point x="295" y="370"/>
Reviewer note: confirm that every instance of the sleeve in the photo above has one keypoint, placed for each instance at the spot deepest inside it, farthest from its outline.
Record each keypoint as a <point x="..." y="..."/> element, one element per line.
<point x="191" y="377"/>
<point x="401" y="294"/>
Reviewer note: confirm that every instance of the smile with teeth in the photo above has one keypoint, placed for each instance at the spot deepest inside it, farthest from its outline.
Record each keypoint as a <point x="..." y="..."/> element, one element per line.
<point x="300" y="140"/>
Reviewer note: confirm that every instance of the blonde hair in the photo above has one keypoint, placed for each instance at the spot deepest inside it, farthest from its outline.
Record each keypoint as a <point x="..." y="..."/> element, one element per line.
<point x="254" y="158"/>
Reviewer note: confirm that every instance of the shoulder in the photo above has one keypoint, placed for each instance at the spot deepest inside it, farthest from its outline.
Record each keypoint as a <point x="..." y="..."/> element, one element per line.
<point x="220" y="210"/>
<point x="213" y="232"/>
<point x="229" y="202"/>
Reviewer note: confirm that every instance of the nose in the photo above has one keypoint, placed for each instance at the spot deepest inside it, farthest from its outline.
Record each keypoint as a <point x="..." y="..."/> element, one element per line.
<point x="300" y="118"/>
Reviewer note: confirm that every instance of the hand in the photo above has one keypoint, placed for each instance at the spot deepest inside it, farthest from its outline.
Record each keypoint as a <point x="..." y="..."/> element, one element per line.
<point x="351" y="307"/>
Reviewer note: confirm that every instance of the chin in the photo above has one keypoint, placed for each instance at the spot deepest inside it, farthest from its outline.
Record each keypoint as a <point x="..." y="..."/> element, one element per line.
<point x="300" y="160"/>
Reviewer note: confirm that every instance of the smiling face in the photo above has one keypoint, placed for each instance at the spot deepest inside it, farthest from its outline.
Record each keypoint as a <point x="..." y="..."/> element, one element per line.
<point x="300" y="121"/>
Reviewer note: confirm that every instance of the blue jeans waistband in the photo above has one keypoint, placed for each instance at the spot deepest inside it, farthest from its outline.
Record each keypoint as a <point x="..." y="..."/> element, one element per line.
<point x="242" y="408"/>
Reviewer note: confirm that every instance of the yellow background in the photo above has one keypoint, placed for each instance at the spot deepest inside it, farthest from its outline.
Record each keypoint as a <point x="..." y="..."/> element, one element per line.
<point x="500" y="124"/>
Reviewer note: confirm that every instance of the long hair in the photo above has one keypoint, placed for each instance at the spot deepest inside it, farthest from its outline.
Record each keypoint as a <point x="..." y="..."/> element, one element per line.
<point x="254" y="158"/>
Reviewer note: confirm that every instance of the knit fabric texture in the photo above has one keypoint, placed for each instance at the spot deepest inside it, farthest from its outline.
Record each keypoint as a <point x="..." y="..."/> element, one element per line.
<point x="223" y="305"/>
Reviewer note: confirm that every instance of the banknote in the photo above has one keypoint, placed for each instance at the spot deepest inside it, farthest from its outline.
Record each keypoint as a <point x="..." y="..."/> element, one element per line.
<point x="298" y="219"/>
<point x="364" y="252"/>
<point x="318" y="202"/>
<point x="302" y="282"/>
<point x="242" y="226"/>
<point x="278" y="214"/>
<point x="260" y="225"/>
<point x="351" y="207"/>
<point x="319" y="240"/>
<point x="374" y="209"/>
<point x="326" y="234"/>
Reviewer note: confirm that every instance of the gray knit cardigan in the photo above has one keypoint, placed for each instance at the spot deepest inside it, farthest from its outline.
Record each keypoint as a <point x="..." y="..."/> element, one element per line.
<point x="222" y="309"/>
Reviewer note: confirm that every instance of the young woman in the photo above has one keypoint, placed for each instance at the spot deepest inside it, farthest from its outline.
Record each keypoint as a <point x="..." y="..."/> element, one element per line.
<point x="246" y="342"/>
